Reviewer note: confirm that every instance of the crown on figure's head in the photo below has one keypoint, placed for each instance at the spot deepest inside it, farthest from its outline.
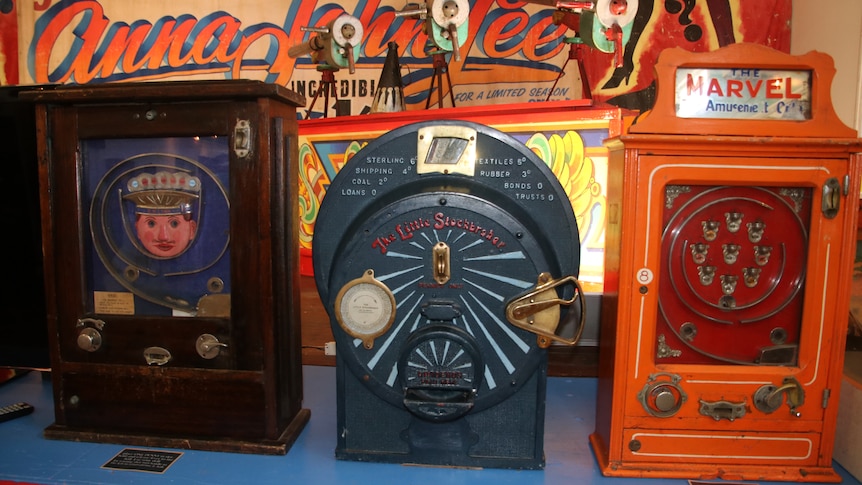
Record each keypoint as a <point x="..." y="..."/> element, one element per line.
<point x="163" y="193"/>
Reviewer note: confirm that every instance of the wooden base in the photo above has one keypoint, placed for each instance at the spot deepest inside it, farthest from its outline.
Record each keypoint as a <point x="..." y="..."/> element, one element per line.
<point x="260" y="447"/>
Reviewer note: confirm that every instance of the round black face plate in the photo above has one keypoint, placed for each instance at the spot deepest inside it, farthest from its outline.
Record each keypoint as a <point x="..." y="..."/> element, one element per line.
<point x="440" y="370"/>
<point x="452" y="250"/>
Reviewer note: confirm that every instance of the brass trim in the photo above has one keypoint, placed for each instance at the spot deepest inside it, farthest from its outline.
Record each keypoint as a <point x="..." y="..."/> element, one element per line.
<point x="446" y="149"/>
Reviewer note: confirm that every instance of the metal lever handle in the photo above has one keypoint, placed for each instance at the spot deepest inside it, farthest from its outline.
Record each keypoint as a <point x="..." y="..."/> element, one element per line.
<point x="422" y="12"/>
<point x="768" y="398"/>
<point x="538" y="310"/>
<point x="348" y="53"/>
<point x="527" y="305"/>
<point x="208" y="346"/>
<point x="453" y="36"/>
<point x="615" y="35"/>
<point x="319" y="30"/>
<point x="526" y="310"/>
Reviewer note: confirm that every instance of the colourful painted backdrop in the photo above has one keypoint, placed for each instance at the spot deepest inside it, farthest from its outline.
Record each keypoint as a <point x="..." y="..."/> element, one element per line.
<point x="8" y="43"/>
<point x="568" y="138"/>
<point x="513" y="53"/>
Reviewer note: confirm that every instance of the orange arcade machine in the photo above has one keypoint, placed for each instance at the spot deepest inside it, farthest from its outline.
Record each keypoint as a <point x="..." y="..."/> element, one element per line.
<point x="732" y="210"/>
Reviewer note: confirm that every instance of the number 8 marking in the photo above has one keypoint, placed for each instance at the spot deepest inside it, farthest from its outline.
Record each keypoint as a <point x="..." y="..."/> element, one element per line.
<point x="644" y="276"/>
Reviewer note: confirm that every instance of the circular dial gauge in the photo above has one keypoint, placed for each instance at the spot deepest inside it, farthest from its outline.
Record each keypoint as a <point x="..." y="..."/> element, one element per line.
<point x="491" y="259"/>
<point x="365" y="308"/>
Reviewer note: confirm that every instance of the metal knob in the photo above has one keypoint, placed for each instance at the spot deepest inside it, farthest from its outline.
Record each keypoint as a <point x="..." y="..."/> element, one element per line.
<point x="662" y="396"/>
<point x="208" y="346"/>
<point x="89" y="339"/>
<point x="665" y="400"/>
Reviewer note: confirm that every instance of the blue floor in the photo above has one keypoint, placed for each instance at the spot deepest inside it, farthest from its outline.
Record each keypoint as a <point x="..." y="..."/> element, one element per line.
<point x="25" y="456"/>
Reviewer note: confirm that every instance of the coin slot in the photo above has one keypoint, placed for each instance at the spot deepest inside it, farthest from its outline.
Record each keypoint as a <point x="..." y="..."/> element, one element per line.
<point x="441" y="263"/>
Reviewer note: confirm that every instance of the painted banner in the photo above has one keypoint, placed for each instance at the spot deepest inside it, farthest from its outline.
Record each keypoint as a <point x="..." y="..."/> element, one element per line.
<point x="513" y="51"/>
<point x="8" y="43"/>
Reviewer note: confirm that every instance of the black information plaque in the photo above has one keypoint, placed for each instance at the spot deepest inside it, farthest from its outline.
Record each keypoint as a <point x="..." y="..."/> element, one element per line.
<point x="151" y="461"/>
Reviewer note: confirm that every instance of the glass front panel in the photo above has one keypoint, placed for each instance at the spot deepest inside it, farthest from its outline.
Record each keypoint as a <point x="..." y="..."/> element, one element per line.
<point x="156" y="213"/>
<point x="734" y="259"/>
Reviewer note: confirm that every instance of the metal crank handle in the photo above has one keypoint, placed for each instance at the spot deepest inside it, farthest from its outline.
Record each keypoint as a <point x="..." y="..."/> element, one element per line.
<point x="538" y="310"/>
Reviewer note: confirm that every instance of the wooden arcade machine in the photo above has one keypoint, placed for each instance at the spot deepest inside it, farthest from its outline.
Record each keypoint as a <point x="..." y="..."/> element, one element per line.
<point x="171" y="263"/>
<point x="731" y="236"/>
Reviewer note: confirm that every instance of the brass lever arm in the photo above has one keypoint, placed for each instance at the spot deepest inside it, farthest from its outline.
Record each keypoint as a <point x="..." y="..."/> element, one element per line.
<point x="538" y="310"/>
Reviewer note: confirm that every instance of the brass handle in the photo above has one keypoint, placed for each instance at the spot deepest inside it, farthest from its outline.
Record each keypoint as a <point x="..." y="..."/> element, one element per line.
<point x="538" y="310"/>
<point x="719" y="410"/>
<point x="440" y="259"/>
<point x="768" y="398"/>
